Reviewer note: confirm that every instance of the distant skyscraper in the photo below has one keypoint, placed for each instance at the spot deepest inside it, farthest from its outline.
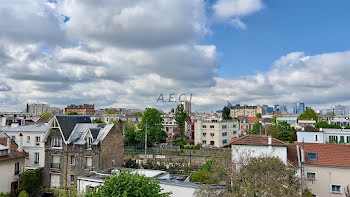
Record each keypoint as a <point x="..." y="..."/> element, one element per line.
<point x="276" y="108"/>
<point x="229" y="105"/>
<point x="283" y="109"/>
<point x="339" y="110"/>
<point x="268" y="109"/>
<point x="299" y="108"/>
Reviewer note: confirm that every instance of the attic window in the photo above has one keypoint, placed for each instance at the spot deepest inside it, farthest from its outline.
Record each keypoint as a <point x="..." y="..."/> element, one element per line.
<point x="88" y="142"/>
<point x="311" y="156"/>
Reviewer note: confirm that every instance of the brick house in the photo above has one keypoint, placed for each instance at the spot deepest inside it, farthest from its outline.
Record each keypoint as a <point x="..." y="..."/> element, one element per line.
<point x="74" y="146"/>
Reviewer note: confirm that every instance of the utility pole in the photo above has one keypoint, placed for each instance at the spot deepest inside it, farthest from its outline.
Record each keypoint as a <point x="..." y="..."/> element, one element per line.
<point x="146" y="141"/>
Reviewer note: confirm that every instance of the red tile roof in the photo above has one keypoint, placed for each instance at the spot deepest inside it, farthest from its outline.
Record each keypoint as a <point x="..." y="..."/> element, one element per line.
<point x="327" y="154"/>
<point x="250" y="119"/>
<point x="14" y="150"/>
<point x="256" y="140"/>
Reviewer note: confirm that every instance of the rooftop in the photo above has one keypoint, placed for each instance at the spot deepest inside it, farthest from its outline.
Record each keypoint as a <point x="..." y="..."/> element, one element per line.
<point x="327" y="154"/>
<point x="14" y="149"/>
<point x="26" y="128"/>
<point x="258" y="140"/>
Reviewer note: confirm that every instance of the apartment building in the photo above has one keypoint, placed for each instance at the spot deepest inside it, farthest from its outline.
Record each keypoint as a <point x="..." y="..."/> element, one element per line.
<point x="325" y="166"/>
<point x="215" y="132"/>
<point x="31" y="138"/>
<point x="249" y="111"/>
<point x="170" y="126"/>
<point x="325" y="136"/>
<point x="74" y="147"/>
<point x="12" y="159"/>
<point x="85" y="109"/>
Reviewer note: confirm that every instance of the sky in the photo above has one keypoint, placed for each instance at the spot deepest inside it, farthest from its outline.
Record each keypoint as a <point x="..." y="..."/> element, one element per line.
<point x="120" y="53"/>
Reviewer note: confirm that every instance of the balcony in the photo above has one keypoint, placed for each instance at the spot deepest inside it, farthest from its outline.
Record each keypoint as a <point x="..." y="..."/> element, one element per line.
<point x="55" y="165"/>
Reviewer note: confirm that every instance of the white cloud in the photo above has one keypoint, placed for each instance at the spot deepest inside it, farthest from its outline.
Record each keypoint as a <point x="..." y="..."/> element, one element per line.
<point x="233" y="10"/>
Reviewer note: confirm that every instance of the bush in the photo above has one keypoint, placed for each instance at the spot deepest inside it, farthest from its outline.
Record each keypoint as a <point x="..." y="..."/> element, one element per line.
<point x="23" y="193"/>
<point x="31" y="180"/>
<point x="130" y="163"/>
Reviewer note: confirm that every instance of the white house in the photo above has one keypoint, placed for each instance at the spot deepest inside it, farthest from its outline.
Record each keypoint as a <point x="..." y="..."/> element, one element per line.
<point x="292" y="120"/>
<point x="325" y="136"/>
<point x="11" y="164"/>
<point x="32" y="142"/>
<point x="249" y="146"/>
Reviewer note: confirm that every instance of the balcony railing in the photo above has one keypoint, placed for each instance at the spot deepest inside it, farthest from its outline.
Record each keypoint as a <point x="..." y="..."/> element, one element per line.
<point x="55" y="165"/>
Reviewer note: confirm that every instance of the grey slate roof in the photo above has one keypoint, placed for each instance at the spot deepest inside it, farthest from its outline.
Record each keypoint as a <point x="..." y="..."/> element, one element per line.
<point x="26" y="128"/>
<point x="79" y="130"/>
<point x="67" y="123"/>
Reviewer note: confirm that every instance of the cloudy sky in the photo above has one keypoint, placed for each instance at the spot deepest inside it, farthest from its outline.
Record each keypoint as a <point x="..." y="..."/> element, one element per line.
<point x="124" y="53"/>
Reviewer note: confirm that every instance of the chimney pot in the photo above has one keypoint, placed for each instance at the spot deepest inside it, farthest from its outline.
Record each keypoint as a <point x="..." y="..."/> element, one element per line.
<point x="269" y="140"/>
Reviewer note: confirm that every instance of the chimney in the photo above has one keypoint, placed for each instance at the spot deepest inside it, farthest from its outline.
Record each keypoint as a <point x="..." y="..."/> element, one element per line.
<point x="120" y="125"/>
<point x="269" y="140"/>
<point x="8" y="145"/>
<point x="20" y="143"/>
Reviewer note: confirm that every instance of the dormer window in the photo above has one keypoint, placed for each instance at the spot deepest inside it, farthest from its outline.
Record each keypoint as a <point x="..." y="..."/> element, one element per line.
<point x="56" y="142"/>
<point x="88" y="142"/>
<point x="311" y="156"/>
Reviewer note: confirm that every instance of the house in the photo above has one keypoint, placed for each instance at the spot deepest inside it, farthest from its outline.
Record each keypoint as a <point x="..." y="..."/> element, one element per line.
<point x="85" y="109"/>
<point x="179" y="185"/>
<point x="32" y="141"/>
<point x="215" y="132"/>
<point x="249" y="111"/>
<point x="302" y="122"/>
<point x="324" y="136"/>
<point x="74" y="146"/>
<point x="170" y="126"/>
<point x="246" y="123"/>
<point x="12" y="158"/>
<point x="326" y="167"/>
<point x="257" y="146"/>
<point x="292" y="120"/>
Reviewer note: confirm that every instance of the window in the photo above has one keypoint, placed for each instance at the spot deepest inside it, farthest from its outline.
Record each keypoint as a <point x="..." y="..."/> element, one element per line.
<point x="13" y="138"/>
<point x="224" y="134"/>
<point x="316" y="138"/>
<point x="234" y="132"/>
<point x="311" y="156"/>
<point x="16" y="168"/>
<point x="212" y="134"/>
<point x="88" y="142"/>
<point x="56" y="142"/>
<point x="333" y="138"/>
<point x="212" y="126"/>
<point x="28" y="139"/>
<point x="348" y="139"/>
<point x="224" y="126"/>
<point x="335" y="188"/>
<point x="36" y="158"/>
<point x="212" y="143"/>
<point x="204" y="142"/>
<point x="88" y="161"/>
<point x="71" y="178"/>
<point x="37" y="141"/>
<point x="55" y="181"/>
<point x="204" y="126"/>
<point x="311" y="175"/>
<point x="234" y="126"/>
<point x="72" y="160"/>
<point x="204" y="134"/>
<point x="27" y="155"/>
<point x="224" y="141"/>
<point x="341" y="139"/>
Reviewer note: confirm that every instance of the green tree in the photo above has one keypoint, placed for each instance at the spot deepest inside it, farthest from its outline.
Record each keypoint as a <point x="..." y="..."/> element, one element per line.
<point x="266" y="176"/>
<point x="180" y="142"/>
<point x="258" y="115"/>
<point x="172" y="110"/>
<point x="226" y="113"/>
<point x="72" y="113"/>
<point x="126" y="184"/>
<point x="309" y="113"/>
<point x="23" y="193"/>
<point x="97" y="121"/>
<point x="110" y="112"/>
<point x="257" y="127"/>
<point x="31" y="180"/>
<point x="272" y="131"/>
<point x="46" y="114"/>
<point x="324" y="124"/>
<point x="285" y="132"/>
<point x="138" y="113"/>
<point x="151" y="118"/>
<point x="180" y="117"/>
<point x="130" y="132"/>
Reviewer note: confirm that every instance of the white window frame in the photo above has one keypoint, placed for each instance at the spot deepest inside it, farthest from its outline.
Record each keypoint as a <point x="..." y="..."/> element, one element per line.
<point x="56" y="142"/>
<point x="37" y="143"/>
<point x="28" y="139"/>
<point x="73" y="160"/>
<point x="89" y="142"/>
<point x="336" y="192"/>
<point x="36" y="156"/>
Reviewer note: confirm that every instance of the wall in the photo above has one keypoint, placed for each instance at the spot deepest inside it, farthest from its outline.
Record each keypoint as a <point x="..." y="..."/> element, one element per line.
<point x="7" y="169"/>
<point x="178" y="191"/>
<point x="309" y="137"/>
<point x="325" y="177"/>
<point x="112" y="149"/>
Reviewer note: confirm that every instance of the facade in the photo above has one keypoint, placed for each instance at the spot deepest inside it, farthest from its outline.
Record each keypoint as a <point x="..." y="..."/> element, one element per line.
<point x="74" y="147"/>
<point x="249" y="146"/>
<point x="305" y="122"/>
<point x="343" y="122"/>
<point x="299" y="108"/>
<point x="187" y="107"/>
<point x="249" y="111"/>
<point x="341" y="136"/>
<point x="170" y="126"/>
<point x="36" y="109"/>
<point x="85" y="109"/>
<point x="326" y="167"/>
<point x="12" y="159"/>
<point x="32" y="141"/>
<point x="292" y="120"/>
<point x="246" y="123"/>
<point x="215" y="133"/>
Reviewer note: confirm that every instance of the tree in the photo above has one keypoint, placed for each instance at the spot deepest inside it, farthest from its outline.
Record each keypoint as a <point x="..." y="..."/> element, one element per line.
<point x="180" y="117"/>
<point x="258" y="115"/>
<point x="31" y="180"/>
<point x="226" y="113"/>
<point x="126" y="184"/>
<point x="96" y="121"/>
<point x="180" y="142"/>
<point x="46" y="114"/>
<point x="138" y="113"/>
<point x="110" y="112"/>
<point x="257" y="128"/>
<point x="266" y="176"/>
<point x="23" y="193"/>
<point x="172" y="110"/>
<point x="324" y="124"/>
<point x="130" y="132"/>
<point x="309" y="113"/>
<point x="272" y="131"/>
<point x="72" y="113"/>
<point x="285" y="132"/>
<point x="152" y="120"/>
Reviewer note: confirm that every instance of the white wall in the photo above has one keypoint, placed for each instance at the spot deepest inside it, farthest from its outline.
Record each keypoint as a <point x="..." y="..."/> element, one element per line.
<point x="7" y="171"/>
<point x="310" y="137"/>
<point x="240" y="152"/>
